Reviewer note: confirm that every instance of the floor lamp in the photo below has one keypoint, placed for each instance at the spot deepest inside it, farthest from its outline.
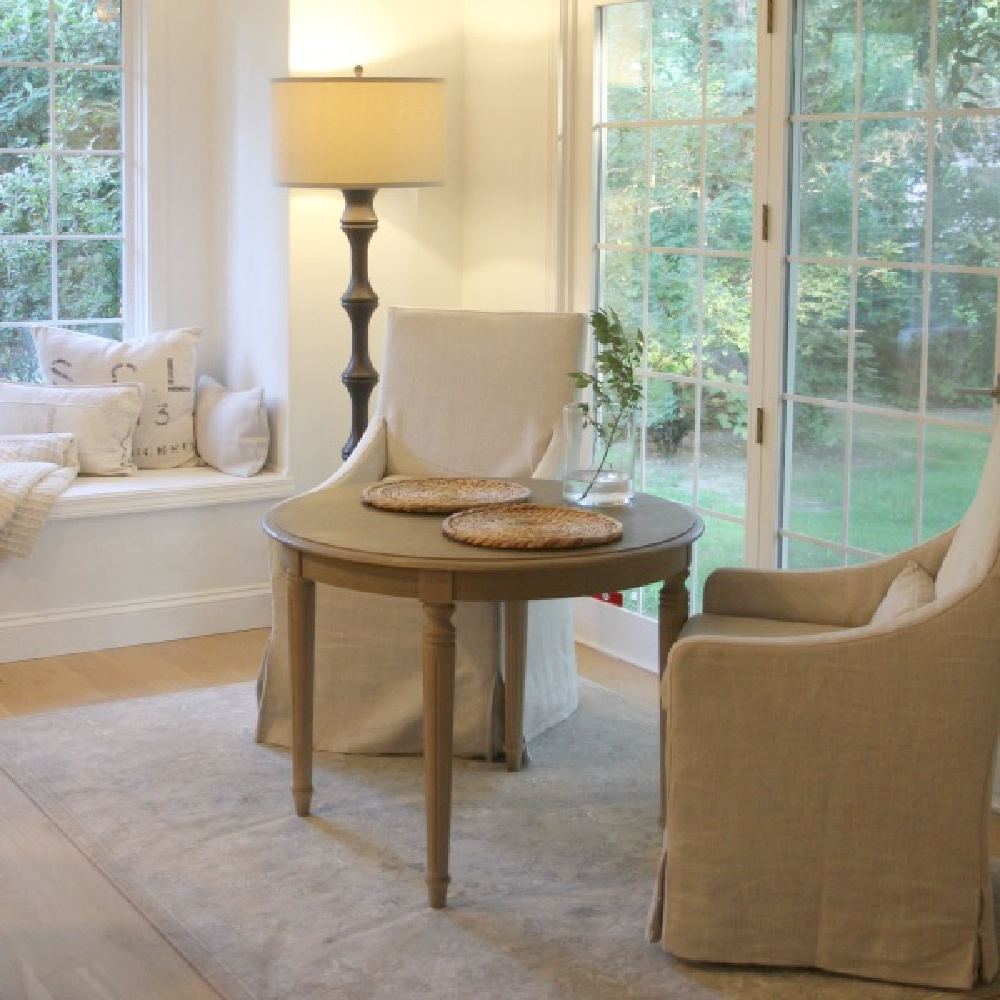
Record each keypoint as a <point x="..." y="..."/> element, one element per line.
<point x="359" y="134"/>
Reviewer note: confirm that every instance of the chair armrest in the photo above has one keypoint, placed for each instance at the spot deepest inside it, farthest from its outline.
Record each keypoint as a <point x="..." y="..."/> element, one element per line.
<point x="846" y="597"/>
<point x="367" y="463"/>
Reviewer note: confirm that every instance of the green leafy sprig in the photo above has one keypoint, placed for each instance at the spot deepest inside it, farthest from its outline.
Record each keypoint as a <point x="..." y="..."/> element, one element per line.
<point x="615" y="383"/>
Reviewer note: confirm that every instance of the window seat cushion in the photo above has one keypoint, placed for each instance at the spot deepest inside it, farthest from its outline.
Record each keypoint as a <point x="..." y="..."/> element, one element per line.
<point x="159" y="489"/>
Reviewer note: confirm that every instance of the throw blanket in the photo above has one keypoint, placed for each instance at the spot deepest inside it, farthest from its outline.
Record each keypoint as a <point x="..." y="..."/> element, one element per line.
<point x="35" y="469"/>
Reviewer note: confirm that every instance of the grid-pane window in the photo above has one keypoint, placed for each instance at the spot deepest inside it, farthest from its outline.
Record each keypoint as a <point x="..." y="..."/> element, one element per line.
<point x="61" y="172"/>
<point x="676" y="138"/>
<point x="892" y="273"/>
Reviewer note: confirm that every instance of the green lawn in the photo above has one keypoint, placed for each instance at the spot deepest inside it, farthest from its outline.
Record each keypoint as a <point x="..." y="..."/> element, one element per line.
<point x="881" y="515"/>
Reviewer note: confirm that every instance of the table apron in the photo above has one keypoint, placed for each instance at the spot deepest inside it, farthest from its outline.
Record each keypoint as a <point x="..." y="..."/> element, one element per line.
<point x="531" y="581"/>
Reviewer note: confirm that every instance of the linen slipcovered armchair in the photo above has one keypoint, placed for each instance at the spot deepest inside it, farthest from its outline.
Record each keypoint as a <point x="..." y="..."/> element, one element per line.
<point x="463" y="393"/>
<point x="828" y="776"/>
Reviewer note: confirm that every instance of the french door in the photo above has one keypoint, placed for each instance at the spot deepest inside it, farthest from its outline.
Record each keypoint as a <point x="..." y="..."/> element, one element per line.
<point x="891" y="262"/>
<point x="800" y="208"/>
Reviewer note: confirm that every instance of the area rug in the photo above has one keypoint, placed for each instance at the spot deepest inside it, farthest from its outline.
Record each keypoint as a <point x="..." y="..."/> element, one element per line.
<point x="552" y="867"/>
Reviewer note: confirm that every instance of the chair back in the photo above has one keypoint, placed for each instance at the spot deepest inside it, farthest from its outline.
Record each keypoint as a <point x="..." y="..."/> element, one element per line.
<point x="468" y="393"/>
<point x="974" y="549"/>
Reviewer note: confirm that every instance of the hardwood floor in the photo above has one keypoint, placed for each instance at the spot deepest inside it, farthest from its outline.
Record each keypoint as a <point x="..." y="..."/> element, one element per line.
<point x="65" y="932"/>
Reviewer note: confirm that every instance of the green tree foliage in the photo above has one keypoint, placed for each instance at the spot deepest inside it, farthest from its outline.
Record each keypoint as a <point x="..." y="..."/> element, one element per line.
<point x="80" y="163"/>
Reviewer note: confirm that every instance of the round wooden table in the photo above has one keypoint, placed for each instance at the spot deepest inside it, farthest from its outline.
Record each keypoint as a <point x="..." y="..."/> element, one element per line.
<point x="329" y="537"/>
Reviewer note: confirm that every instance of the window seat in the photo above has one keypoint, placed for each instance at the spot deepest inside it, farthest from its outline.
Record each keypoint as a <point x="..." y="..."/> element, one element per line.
<point x="161" y="489"/>
<point x="160" y="555"/>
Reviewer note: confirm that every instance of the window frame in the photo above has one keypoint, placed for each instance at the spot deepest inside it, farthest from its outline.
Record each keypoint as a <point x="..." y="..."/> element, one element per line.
<point x="132" y="151"/>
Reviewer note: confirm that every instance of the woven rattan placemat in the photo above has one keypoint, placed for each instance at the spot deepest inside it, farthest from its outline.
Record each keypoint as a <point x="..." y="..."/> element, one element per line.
<point x="441" y="495"/>
<point x="531" y="526"/>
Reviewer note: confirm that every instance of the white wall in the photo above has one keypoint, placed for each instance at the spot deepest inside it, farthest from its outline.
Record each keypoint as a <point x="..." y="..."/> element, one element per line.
<point x="180" y="157"/>
<point x="510" y="158"/>
<point x="218" y="243"/>
<point x="250" y="217"/>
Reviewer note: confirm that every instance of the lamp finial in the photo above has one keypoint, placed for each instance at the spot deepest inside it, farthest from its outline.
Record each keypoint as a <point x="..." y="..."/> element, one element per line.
<point x="358" y="70"/>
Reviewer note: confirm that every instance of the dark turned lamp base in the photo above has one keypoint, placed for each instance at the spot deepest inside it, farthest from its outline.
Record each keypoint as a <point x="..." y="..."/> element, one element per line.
<point x="359" y="222"/>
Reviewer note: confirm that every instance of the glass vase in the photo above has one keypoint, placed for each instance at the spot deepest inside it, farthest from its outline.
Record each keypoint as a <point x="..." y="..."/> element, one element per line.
<point x="599" y="467"/>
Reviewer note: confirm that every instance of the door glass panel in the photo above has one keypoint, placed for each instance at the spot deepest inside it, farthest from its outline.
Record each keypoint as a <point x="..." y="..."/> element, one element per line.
<point x="883" y="507"/>
<point x="729" y="186"/>
<point x="732" y="59"/>
<point x="669" y="465"/>
<point x="892" y="189"/>
<point x="722" y="462"/>
<point x="826" y="157"/>
<point x="814" y="472"/>
<point x="626" y="63"/>
<point x="623" y="274"/>
<point x="672" y="311"/>
<point x="722" y="544"/>
<point x="894" y="166"/>
<point x="952" y="460"/>
<point x="725" y="299"/>
<point x="967" y="73"/>
<point x="888" y="338"/>
<point x="827" y="56"/>
<point x="961" y="346"/>
<point x="819" y="330"/>
<point x="800" y="554"/>
<point x="675" y="196"/>
<point x="624" y="159"/>
<point x="677" y="58"/>
<point x="966" y="185"/>
<point x="687" y="284"/>
<point x="895" y="38"/>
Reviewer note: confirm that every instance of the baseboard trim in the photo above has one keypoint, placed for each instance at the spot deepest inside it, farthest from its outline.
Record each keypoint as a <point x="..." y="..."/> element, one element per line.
<point x="131" y="623"/>
<point x="624" y="635"/>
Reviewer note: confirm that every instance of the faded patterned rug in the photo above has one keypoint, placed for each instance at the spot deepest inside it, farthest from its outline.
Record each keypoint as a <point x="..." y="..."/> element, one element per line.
<point x="552" y="867"/>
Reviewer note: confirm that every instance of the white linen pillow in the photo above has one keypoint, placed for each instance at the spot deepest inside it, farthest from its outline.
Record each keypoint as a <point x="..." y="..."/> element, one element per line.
<point x="231" y="430"/>
<point x="911" y="589"/>
<point x="59" y="449"/>
<point x="163" y="363"/>
<point x="102" y="419"/>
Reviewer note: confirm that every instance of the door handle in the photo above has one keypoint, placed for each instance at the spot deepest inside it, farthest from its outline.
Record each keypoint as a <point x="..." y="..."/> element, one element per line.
<point x="993" y="392"/>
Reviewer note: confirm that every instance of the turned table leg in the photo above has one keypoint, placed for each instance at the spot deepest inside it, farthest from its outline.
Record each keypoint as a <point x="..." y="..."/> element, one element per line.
<point x="673" y="613"/>
<point x="439" y="702"/>
<point x="515" y="633"/>
<point x="301" y="595"/>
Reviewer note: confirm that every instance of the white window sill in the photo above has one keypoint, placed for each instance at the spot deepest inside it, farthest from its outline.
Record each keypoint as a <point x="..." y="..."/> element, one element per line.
<point x="164" y="489"/>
